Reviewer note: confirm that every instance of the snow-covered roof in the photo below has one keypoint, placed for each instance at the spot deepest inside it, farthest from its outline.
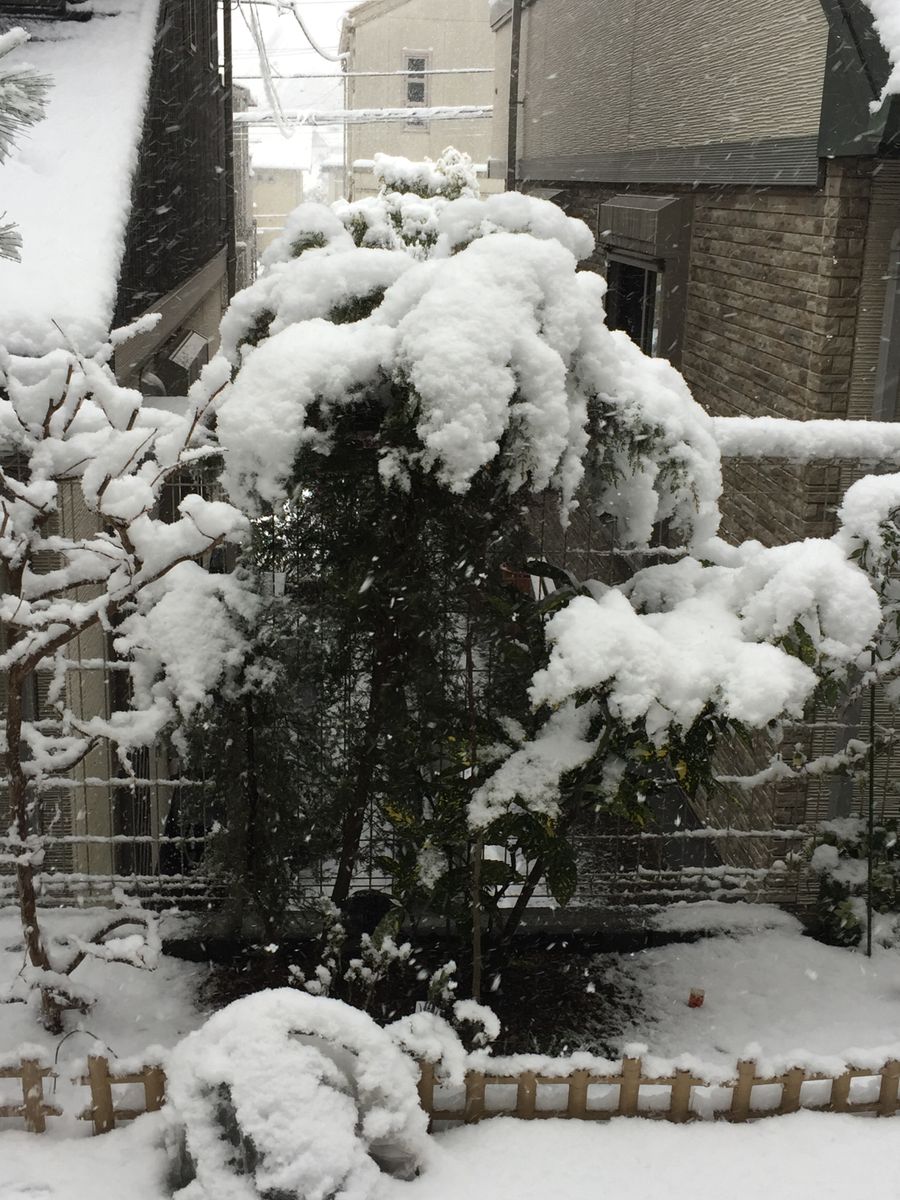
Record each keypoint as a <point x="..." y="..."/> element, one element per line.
<point x="886" y="14"/>
<point x="67" y="184"/>
<point x="270" y="149"/>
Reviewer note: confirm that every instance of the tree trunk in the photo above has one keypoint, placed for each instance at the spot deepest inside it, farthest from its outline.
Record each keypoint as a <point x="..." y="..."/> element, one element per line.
<point x="355" y="816"/>
<point x="518" y="909"/>
<point x="51" y="1009"/>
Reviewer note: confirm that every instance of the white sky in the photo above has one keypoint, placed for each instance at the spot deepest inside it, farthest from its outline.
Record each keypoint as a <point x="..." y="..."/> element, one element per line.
<point x="290" y="52"/>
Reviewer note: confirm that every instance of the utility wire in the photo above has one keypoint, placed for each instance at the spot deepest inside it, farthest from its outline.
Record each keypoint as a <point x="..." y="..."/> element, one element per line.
<point x="293" y="6"/>
<point x="376" y="74"/>
<point x="252" y="23"/>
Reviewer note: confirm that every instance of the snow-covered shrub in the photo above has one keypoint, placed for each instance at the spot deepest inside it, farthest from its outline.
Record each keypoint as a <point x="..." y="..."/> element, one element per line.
<point x="415" y="370"/>
<point x="451" y="176"/>
<point x="840" y="859"/>
<point x="85" y="553"/>
<point x="295" y="1096"/>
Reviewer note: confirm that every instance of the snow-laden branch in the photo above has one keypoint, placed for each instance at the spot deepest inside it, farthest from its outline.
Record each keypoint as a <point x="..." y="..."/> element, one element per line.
<point x="805" y="441"/>
<point x="84" y="550"/>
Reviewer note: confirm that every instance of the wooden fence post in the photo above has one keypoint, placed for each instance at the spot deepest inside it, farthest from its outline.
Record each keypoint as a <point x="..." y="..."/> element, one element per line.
<point x="33" y="1095"/>
<point x="578" y="1087"/>
<point x="629" y="1087"/>
<point x="102" y="1112"/>
<point x="526" y="1095"/>
<point x="839" y="1096"/>
<point x="793" y="1081"/>
<point x="426" y="1088"/>
<point x="154" y="1088"/>
<point x="474" y="1096"/>
<point x="742" y="1092"/>
<point x="680" y="1103"/>
<point x="887" y="1095"/>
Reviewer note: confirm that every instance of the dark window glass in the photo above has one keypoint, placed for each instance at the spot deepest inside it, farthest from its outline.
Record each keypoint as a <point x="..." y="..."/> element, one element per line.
<point x="631" y="302"/>
<point x="415" y="81"/>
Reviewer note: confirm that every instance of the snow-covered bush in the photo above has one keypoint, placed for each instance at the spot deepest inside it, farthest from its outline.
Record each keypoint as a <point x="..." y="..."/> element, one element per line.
<point x="295" y="1096"/>
<point x="840" y="859"/>
<point x="439" y="363"/>
<point x="85" y="554"/>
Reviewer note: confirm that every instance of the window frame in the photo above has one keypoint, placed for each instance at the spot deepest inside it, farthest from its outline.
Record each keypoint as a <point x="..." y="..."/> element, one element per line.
<point x="650" y="330"/>
<point x="408" y="57"/>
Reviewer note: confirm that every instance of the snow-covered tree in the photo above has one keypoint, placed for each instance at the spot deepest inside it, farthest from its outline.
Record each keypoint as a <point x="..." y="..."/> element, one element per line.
<point x="23" y="96"/>
<point x="437" y="361"/>
<point x="85" y="556"/>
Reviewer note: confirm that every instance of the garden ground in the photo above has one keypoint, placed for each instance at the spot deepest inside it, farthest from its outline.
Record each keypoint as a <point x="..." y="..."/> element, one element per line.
<point x="769" y="991"/>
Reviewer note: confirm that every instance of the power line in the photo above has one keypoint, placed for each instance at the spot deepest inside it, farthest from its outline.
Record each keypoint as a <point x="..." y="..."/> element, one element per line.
<point x="365" y="116"/>
<point x="376" y="74"/>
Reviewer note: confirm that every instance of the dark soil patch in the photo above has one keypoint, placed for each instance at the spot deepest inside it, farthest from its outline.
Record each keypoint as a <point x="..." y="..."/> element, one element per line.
<point x="552" y="995"/>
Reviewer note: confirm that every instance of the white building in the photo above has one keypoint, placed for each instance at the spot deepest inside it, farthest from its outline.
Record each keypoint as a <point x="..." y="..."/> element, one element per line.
<point x="415" y="50"/>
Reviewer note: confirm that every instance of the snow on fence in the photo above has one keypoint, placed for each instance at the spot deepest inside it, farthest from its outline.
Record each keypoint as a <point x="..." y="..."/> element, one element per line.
<point x="670" y="1097"/>
<point x="582" y="1095"/>
<point x="100" y="1078"/>
<point x="31" y="1072"/>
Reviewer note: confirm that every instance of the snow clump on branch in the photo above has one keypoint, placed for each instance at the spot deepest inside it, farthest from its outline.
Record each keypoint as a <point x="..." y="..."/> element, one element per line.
<point x="480" y="319"/>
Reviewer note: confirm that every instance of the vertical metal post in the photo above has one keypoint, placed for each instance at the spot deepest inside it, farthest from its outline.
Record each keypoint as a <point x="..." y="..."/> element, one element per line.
<point x="230" y="215"/>
<point x="871" y="816"/>
<point x="512" y="145"/>
<point x="477" y="952"/>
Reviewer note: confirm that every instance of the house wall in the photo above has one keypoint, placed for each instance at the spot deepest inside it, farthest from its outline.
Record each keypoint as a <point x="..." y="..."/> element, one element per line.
<point x="455" y="33"/>
<point x="179" y="214"/>
<point x="276" y="192"/>
<point x="673" y="87"/>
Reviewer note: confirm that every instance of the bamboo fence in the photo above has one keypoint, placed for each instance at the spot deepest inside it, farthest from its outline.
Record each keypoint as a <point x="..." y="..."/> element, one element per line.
<point x="678" y="1089"/>
<point x="675" y="1090"/>
<point x="33" y="1109"/>
<point x="100" y="1079"/>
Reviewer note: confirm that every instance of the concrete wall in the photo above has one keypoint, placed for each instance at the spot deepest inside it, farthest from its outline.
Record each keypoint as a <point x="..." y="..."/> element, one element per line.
<point x="455" y="33"/>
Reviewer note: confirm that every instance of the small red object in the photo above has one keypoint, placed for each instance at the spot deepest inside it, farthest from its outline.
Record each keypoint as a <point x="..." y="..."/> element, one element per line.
<point x="695" y="999"/>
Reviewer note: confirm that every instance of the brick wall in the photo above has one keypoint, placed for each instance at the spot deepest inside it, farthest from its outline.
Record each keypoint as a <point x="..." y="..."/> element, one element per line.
<point x="769" y="329"/>
<point x="769" y="324"/>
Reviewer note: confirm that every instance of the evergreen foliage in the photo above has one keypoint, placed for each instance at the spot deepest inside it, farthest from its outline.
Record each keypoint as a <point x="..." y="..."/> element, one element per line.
<point x="23" y="97"/>
<point x="410" y="376"/>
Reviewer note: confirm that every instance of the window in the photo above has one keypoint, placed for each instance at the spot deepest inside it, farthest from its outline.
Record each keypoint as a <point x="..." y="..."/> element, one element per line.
<point x="646" y="239"/>
<point x="631" y="302"/>
<point x="416" y="64"/>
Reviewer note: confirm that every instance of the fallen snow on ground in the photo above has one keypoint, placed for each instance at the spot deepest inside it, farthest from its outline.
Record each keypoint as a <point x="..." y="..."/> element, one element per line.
<point x="136" y="1010"/>
<point x="770" y="994"/>
<point x="806" y="1157"/>
<point x="801" y="1157"/>
<point x="130" y="1163"/>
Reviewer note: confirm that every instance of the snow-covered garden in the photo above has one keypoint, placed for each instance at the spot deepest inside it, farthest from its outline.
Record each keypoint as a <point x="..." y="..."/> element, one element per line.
<point x="765" y="983"/>
<point x="316" y="582"/>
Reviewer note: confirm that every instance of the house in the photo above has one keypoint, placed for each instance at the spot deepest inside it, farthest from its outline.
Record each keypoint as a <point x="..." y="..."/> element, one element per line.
<point x="124" y="198"/>
<point x="277" y="189"/>
<point x="411" y="54"/>
<point x="741" y="174"/>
